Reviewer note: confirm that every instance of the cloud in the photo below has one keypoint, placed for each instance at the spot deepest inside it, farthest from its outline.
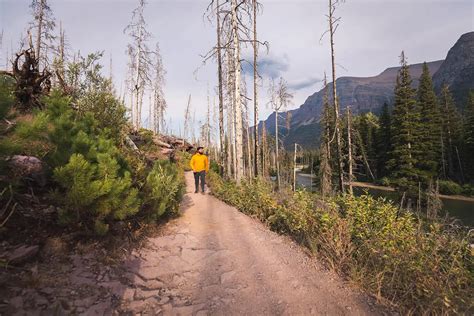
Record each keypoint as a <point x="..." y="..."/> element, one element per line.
<point x="269" y="66"/>
<point x="303" y="83"/>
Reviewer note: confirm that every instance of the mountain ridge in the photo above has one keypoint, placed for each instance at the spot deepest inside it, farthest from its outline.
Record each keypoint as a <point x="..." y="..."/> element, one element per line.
<point x="368" y="94"/>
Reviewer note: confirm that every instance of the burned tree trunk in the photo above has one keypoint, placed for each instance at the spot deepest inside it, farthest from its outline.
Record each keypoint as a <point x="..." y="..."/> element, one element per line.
<point x="31" y="83"/>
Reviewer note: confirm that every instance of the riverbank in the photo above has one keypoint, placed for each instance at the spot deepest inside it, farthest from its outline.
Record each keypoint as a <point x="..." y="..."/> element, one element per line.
<point x="391" y="189"/>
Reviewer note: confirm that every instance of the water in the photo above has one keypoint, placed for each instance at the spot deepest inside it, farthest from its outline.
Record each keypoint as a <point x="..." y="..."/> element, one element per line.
<point x="462" y="210"/>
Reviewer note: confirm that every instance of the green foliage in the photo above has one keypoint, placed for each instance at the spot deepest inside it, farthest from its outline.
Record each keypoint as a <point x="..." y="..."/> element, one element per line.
<point x="106" y="109"/>
<point x="95" y="192"/>
<point x="449" y="187"/>
<point x="421" y="267"/>
<point x="6" y="96"/>
<point x="468" y="189"/>
<point x="214" y="166"/>
<point x="469" y="136"/>
<point x="163" y="190"/>
<point x="429" y="142"/>
<point x="383" y="141"/>
<point x="404" y="132"/>
<point x="451" y="129"/>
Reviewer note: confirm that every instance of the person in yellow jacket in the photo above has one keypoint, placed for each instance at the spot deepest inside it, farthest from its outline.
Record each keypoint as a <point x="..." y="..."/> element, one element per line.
<point x="199" y="165"/>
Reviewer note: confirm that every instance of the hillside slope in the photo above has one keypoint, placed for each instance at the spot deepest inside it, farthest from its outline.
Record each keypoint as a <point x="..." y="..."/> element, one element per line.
<point x="364" y="94"/>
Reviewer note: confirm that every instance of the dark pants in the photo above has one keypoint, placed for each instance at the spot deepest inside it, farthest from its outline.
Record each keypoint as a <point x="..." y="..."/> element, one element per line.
<point x="200" y="175"/>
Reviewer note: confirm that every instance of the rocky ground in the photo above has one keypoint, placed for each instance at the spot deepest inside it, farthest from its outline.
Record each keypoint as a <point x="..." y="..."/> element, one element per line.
<point x="211" y="260"/>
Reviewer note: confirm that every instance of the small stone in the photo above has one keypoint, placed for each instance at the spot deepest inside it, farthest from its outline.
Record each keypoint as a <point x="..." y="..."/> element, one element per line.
<point x="164" y="300"/>
<point x="22" y="254"/>
<point x="141" y="294"/>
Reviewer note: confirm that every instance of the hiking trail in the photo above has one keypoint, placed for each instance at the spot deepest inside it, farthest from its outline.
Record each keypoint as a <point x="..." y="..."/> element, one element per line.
<point x="212" y="260"/>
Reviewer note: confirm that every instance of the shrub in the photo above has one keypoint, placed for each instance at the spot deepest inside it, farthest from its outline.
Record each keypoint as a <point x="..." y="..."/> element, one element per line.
<point x="6" y="96"/>
<point x="106" y="109"/>
<point x="163" y="190"/>
<point x="468" y="189"/>
<point x="449" y="187"/>
<point x="386" y="182"/>
<point x="95" y="192"/>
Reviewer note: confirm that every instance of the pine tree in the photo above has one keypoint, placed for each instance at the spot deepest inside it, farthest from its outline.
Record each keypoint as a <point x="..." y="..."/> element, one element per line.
<point x="469" y="136"/>
<point x="384" y="141"/>
<point x="325" y="170"/>
<point x="405" y="129"/>
<point x="451" y="130"/>
<point x="429" y="144"/>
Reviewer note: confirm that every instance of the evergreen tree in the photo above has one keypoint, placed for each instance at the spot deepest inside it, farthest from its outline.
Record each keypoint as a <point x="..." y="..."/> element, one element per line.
<point x="405" y="130"/>
<point x="384" y="142"/>
<point x="451" y="130"/>
<point x="325" y="169"/>
<point x="469" y="137"/>
<point x="429" y="142"/>
<point x="367" y="127"/>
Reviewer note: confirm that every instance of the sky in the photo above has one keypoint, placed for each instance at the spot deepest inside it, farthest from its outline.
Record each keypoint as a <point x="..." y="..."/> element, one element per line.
<point x="370" y="37"/>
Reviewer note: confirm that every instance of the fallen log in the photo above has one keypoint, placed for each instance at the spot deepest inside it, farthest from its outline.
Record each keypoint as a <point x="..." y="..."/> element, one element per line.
<point x="161" y="143"/>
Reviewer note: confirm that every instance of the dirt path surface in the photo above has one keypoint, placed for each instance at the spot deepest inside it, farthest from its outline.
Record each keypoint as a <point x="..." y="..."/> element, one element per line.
<point x="213" y="260"/>
<point x="220" y="261"/>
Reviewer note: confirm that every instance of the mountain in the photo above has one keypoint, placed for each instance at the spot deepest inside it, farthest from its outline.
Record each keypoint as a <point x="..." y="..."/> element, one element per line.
<point x="457" y="70"/>
<point x="364" y="94"/>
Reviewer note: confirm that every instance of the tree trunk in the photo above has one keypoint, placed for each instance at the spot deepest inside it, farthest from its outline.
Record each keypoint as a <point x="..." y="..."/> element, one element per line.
<point x="223" y="149"/>
<point x="40" y="29"/>
<point x="335" y="100"/>
<point x="255" y="92"/>
<point x="277" y="160"/>
<point x="137" y="82"/>
<point x="238" y="104"/>
<point x="294" y="169"/>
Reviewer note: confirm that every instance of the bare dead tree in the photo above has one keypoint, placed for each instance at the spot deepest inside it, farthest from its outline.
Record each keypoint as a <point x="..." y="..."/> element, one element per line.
<point x="43" y="22"/>
<point x="333" y="25"/>
<point x="187" y="119"/>
<point x="280" y="98"/>
<point x="143" y="62"/>
<point x="159" y="102"/>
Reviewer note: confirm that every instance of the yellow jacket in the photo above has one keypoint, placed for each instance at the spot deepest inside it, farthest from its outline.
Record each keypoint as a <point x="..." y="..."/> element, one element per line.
<point x="199" y="162"/>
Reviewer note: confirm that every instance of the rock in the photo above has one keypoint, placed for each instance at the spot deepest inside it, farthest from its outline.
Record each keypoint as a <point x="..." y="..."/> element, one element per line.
<point x="28" y="167"/>
<point x="154" y="285"/>
<point x="22" y="254"/>
<point x="141" y="294"/>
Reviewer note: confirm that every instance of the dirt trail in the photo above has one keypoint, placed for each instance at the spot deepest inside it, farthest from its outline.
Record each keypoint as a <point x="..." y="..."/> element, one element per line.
<point x="220" y="261"/>
<point x="213" y="260"/>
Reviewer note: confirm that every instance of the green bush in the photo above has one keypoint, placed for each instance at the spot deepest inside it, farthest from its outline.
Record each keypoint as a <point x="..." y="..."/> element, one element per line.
<point x="214" y="166"/>
<point x="421" y="267"/>
<point x="95" y="192"/>
<point x="106" y="109"/>
<point x="6" y="96"/>
<point x="468" y="189"/>
<point x="163" y="190"/>
<point x="386" y="182"/>
<point x="449" y="187"/>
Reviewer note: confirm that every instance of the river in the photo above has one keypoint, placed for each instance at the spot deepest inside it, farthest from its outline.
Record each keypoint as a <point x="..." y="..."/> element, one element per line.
<point x="462" y="210"/>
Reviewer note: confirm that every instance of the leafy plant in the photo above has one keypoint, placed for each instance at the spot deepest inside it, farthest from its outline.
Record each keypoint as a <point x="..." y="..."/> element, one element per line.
<point x="449" y="187"/>
<point x="163" y="190"/>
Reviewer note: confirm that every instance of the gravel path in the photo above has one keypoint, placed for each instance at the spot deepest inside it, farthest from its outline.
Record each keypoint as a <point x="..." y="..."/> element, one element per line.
<point x="213" y="260"/>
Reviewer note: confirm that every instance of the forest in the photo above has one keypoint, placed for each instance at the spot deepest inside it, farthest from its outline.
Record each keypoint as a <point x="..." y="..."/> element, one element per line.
<point x="86" y="163"/>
